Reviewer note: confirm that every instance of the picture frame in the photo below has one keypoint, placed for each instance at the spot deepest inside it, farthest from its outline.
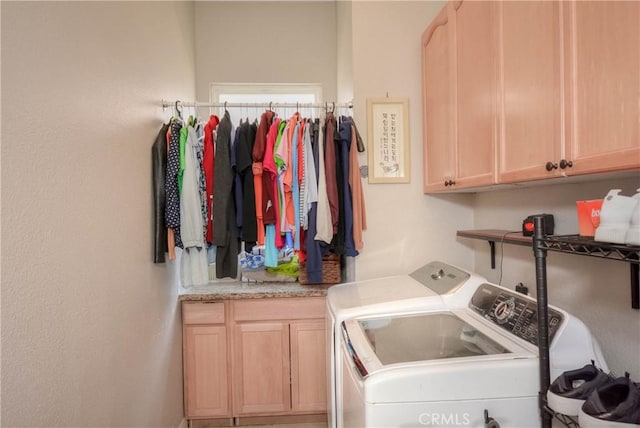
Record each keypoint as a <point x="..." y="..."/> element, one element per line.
<point x="388" y="140"/>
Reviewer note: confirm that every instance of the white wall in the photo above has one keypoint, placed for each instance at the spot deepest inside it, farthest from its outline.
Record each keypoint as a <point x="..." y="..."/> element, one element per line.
<point x="266" y="42"/>
<point x="405" y="227"/>
<point x="90" y="326"/>
<point x="596" y="291"/>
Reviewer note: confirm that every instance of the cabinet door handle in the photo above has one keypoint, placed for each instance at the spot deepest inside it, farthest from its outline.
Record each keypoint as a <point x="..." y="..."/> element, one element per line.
<point x="446" y="183"/>
<point x="551" y="166"/>
<point x="565" y="164"/>
<point x="452" y="183"/>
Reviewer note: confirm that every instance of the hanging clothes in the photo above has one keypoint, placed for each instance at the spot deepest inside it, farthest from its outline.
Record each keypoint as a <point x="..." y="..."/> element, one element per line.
<point x="172" y="203"/>
<point x="194" y="269"/>
<point x="295" y="184"/>
<point x="208" y="165"/>
<point x="346" y="215"/>
<point x="312" y="246"/>
<point x="331" y="170"/>
<point x="198" y="149"/>
<point x="309" y="187"/>
<point x="309" y="198"/>
<point x="237" y="184"/>
<point x="324" y="226"/>
<point x="159" y="167"/>
<point x="355" y="184"/>
<point x="224" y="228"/>
<point x="244" y="162"/>
<point x="269" y="174"/>
<point x="258" y="153"/>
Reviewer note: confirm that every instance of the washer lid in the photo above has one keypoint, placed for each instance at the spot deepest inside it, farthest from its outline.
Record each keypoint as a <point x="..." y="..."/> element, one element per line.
<point x="437" y="337"/>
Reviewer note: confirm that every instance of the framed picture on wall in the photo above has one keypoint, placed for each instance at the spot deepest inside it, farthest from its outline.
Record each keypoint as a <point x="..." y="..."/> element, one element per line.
<point x="388" y="135"/>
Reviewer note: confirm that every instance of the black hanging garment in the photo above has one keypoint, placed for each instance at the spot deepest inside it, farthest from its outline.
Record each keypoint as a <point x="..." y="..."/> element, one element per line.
<point x="224" y="219"/>
<point x="159" y="167"/>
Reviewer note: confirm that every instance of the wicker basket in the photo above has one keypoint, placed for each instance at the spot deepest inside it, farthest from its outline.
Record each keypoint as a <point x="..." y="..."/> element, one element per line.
<point x="330" y="271"/>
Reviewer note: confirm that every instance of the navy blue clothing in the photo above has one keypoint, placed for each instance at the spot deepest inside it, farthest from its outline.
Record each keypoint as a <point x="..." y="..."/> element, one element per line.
<point x="313" y="247"/>
<point x="346" y="223"/>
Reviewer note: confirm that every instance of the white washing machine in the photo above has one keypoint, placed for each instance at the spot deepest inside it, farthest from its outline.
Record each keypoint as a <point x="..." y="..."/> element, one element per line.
<point x="455" y="366"/>
<point x="434" y="285"/>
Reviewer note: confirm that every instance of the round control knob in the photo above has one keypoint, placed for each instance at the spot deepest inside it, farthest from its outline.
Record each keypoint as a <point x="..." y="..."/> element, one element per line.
<point x="504" y="310"/>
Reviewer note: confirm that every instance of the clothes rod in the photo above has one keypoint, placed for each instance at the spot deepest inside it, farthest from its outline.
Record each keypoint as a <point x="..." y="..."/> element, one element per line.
<point x="270" y="105"/>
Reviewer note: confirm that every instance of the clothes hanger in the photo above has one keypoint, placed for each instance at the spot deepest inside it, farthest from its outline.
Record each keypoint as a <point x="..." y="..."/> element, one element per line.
<point x="178" y="111"/>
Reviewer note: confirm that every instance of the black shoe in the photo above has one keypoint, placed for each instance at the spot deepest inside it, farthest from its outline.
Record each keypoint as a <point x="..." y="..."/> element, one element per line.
<point x="616" y="404"/>
<point x="571" y="389"/>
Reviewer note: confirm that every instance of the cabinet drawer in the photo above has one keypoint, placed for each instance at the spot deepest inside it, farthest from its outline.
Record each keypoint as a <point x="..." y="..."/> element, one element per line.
<point x="203" y="313"/>
<point x="279" y="309"/>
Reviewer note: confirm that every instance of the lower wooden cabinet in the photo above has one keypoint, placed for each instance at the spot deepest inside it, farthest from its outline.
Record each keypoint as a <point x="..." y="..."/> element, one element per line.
<point x="261" y="368"/>
<point x="308" y="366"/>
<point x="254" y="358"/>
<point x="205" y="360"/>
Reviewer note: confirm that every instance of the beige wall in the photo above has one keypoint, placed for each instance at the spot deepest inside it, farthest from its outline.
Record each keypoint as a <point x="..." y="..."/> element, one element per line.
<point x="90" y="326"/>
<point x="266" y="42"/>
<point x="596" y="291"/>
<point x="344" y="51"/>
<point x="405" y="228"/>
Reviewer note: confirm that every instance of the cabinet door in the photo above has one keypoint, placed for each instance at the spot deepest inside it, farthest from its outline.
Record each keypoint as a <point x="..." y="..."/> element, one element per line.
<point x="439" y="149"/>
<point x="603" y="84"/>
<point x="205" y="371"/>
<point x="476" y="92"/>
<point x="261" y="368"/>
<point x="308" y="366"/>
<point x="531" y="92"/>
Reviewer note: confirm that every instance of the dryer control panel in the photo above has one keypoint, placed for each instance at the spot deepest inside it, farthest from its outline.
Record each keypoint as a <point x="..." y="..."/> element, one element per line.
<point x="513" y="312"/>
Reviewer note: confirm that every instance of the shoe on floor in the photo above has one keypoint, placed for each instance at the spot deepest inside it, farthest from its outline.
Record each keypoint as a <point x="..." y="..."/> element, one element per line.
<point x="615" y="217"/>
<point x="615" y="405"/>
<point x="570" y="390"/>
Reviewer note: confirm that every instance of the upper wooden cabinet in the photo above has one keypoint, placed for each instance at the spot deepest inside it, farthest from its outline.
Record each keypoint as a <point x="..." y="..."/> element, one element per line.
<point x="530" y="96"/>
<point x="460" y="84"/>
<point x="475" y="105"/>
<point x="530" y="90"/>
<point x="439" y="150"/>
<point x="602" y="45"/>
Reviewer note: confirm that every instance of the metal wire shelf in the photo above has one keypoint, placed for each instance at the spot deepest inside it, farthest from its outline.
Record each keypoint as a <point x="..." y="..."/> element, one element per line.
<point x="587" y="246"/>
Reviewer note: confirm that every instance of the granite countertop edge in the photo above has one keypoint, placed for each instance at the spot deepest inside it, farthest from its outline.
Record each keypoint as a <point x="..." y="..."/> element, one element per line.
<point x="240" y="290"/>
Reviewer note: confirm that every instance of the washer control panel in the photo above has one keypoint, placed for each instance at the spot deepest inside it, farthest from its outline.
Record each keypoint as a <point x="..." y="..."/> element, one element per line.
<point x="513" y="312"/>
